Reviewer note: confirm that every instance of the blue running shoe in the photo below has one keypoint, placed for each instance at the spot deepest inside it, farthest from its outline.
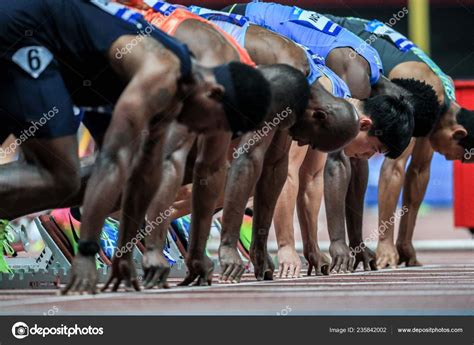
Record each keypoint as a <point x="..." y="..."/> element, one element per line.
<point x="109" y="237"/>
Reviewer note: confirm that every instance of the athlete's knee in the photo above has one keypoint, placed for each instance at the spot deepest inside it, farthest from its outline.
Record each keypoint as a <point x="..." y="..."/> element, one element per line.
<point x="65" y="183"/>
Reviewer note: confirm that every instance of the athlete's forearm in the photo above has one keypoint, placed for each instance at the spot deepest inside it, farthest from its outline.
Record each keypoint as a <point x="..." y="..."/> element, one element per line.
<point x="141" y="186"/>
<point x="310" y="193"/>
<point x="209" y="177"/>
<point x="355" y="200"/>
<point x="336" y="177"/>
<point x="267" y="191"/>
<point x="160" y="212"/>
<point x="243" y="175"/>
<point x="416" y="183"/>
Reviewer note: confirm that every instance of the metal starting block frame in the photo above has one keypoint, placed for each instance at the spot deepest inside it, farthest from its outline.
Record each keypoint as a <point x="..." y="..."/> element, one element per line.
<point x="51" y="268"/>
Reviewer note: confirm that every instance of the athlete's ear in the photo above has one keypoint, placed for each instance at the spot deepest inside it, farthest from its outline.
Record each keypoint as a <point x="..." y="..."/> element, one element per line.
<point x="365" y="124"/>
<point x="320" y="115"/>
<point x="215" y="91"/>
<point x="459" y="132"/>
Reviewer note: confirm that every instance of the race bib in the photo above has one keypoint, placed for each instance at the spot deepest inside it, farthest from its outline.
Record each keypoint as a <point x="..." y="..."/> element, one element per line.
<point x="379" y="28"/>
<point x="164" y="8"/>
<point x="33" y="60"/>
<point x="218" y="15"/>
<point x="315" y="20"/>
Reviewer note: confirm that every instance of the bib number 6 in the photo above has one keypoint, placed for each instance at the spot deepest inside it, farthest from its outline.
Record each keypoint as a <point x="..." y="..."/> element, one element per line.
<point x="33" y="60"/>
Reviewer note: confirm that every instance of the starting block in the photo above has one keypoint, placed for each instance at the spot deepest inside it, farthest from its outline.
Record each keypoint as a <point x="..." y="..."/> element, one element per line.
<point x="52" y="266"/>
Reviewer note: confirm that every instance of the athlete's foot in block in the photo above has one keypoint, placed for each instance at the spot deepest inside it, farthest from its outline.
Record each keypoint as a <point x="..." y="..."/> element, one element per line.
<point x="407" y="255"/>
<point x="289" y="262"/>
<point x="341" y="258"/>
<point x="318" y="261"/>
<point x="200" y="271"/>
<point x="156" y="269"/>
<point x="83" y="276"/>
<point x="123" y="271"/>
<point x="262" y="263"/>
<point x="386" y="254"/>
<point x="366" y="257"/>
<point x="232" y="265"/>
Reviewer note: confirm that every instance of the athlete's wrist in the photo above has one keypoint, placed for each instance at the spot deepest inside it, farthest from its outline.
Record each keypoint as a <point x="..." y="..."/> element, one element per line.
<point x="88" y="248"/>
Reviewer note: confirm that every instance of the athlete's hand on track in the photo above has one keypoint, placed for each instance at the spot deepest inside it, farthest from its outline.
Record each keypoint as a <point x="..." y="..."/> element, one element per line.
<point x="156" y="269"/>
<point x="319" y="261"/>
<point x="123" y="269"/>
<point x="289" y="262"/>
<point x="200" y="269"/>
<point x="341" y="259"/>
<point x="232" y="265"/>
<point x="84" y="276"/>
<point x="387" y="254"/>
<point x="262" y="263"/>
<point x="367" y="257"/>
<point x="407" y="255"/>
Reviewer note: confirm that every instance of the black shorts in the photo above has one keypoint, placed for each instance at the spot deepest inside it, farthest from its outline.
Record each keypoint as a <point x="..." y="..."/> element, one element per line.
<point x="39" y="108"/>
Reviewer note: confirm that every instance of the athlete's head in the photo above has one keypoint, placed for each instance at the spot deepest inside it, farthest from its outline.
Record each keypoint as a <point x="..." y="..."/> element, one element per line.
<point x="426" y="107"/>
<point x="328" y="123"/>
<point x="386" y="126"/>
<point x="421" y="96"/>
<point x="232" y="97"/>
<point x="290" y="94"/>
<point x="453" y="136"/>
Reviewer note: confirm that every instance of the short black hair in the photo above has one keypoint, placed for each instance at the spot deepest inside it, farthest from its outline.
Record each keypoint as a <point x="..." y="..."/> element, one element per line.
<point x="426" y="106"/>
<point x="465" y="118"/>
<point x="393" y="122"/>
<point x="290" y="89"/>
<point x="247" y="96"/>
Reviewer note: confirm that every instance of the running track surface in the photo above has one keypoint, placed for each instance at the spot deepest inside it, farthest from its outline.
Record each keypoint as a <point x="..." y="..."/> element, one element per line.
<point x="444" y="286"/>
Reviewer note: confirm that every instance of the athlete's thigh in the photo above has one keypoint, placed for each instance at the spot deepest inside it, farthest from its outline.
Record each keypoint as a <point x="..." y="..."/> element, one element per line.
<point x="37" y="109"/>
<point x="35" y="105"/>
<point x="58" y="156"/>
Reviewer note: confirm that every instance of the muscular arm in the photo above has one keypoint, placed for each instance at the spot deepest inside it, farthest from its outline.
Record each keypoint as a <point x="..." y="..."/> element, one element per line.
<point x="392" y="176"/>
<point x="153" y="84"/>
<point x="416" y="183"/>
<point x="337" y="176"/>
<point x="150" y="92"/>
<point x="243" y="175"/>
<point x="208" y="180"/>
<point x="284" y="213"/>
<point x="354" y="213"/>
<point x="310" y="193"/>
<point x="269" y="186"/>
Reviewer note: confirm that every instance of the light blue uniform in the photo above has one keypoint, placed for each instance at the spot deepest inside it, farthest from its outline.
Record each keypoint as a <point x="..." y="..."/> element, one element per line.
<point x="237" y="26"/>
<point x="311" y="30"/>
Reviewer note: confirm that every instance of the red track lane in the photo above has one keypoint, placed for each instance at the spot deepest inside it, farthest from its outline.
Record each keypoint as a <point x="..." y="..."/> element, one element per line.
<point x="444" y="286"/>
